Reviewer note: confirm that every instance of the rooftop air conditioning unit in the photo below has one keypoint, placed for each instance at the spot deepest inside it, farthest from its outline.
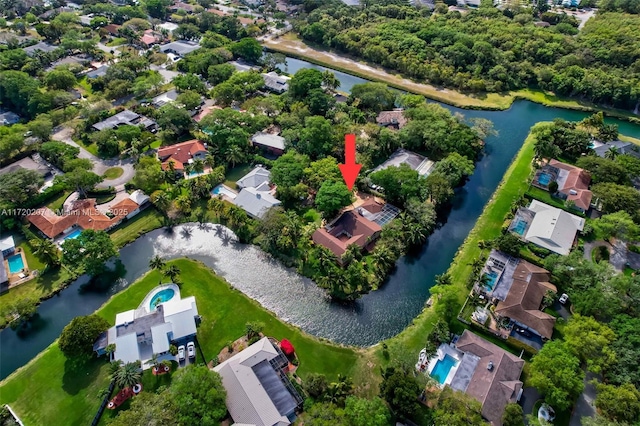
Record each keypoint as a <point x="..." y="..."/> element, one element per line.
<point x="573" y="192"/>
<point x="490" y="366"/>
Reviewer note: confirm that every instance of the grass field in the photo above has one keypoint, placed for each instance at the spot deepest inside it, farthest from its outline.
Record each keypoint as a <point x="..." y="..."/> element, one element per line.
<point x="129" y="231"/>
<point x="291" y="45"/>
<point x="56" y="203"/>
<point x="113" y="173"/>
<point x="48" y="390"/>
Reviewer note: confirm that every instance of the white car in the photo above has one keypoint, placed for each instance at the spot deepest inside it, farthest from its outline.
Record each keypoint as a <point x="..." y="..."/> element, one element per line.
<point x="191" y="350"/>
<point x="181" y="353"/>
<point x="564" y="298"/>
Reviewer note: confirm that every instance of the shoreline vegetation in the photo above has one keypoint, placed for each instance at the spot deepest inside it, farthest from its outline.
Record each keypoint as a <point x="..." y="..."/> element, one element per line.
<point x="60" y="393"/>
<point x="361" y="363"/>
<point x="291" y="45"/>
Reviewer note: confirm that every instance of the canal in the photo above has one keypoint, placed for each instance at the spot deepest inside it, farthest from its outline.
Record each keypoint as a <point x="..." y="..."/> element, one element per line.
<point x="376" y="316"/>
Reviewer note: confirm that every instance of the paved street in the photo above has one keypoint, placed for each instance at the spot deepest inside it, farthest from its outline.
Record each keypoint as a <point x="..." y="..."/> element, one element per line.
<point x="585" y="405"/>
<point x="100" y="165"/>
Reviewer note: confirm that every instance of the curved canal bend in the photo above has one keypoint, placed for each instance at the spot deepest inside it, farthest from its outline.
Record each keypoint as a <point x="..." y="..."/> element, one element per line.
<point x="376" y="316"/>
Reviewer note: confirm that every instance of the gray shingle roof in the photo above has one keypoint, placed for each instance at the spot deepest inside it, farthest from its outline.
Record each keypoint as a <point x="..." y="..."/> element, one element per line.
<point x="42" y="46"/>
<point x="180" y="47"/>
<point x="275" y="82"/>
<point x="269" y="140"/>
<point x="125" y="117"/>
<point x="255" y="203"/>
<point x="402" y="156"/>
<point x="4" y="277"/>
<point x="256" y="178"/>
<point x="98" y="72"/>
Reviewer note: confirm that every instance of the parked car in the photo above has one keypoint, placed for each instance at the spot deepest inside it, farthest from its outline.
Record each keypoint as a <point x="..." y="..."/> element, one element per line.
<point x="181" y="353"/>
<point x="564" y="298"/>
<point x="523" y="331"/>
<point x="191" y="350"/>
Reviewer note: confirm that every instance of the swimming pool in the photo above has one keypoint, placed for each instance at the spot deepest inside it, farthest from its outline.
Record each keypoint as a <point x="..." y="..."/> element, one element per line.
<point x="491" y="281"/>
<point x="544" y="179"/>
<point x="16" y="264"/>
<point x="442" y="368"/>
<point x="223" y="190"/>
<point x="161" y="297"/>
<point x="519" y="226"/>
<point x="75" y="234"/>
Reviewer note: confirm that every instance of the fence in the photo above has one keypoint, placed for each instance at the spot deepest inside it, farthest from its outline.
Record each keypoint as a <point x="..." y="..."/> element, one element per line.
<point x="105" y="401"/>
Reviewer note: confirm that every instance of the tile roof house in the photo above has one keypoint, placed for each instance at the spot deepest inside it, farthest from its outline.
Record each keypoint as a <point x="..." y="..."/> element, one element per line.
<point x="349" y="228"/>
<point x="393" y="119"/>
<point x="112" y="29"/>
<point x="548" y="227"/>
<point x="151" y="328"/>
<point x="417" y="162"/>
<point x="149" y="38"/>
<point x="181" y="154"/>
<point x="522" y="304"/>
<point x="125" y="118"/>
<point x="258" y="391"/>
<point x="573" y="183"/>
<point x="273" y="144"/>
<point x="84" y="214"/>
<point x="489" y="374"/>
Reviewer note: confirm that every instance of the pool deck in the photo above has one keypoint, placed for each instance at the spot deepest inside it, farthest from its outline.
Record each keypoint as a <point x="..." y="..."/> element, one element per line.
<point x="147" y="299"/>
<point x="224" y="196"/>
<point x="14" y="279"/>
<point x="444" y="350"/>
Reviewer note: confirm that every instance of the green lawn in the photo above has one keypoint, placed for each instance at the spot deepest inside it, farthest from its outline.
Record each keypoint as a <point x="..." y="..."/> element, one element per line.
<point x="56" y="203"/>
<point x="49" y="391"/>
<point x="129" y="231"/>
<point x="545" y="197"/>
<point x="236" y="173"/>
<point x="92" y="148"/>
<point x="117" y="41"/>
<point x="84" y="84"/>
<point x="113" y="173"/>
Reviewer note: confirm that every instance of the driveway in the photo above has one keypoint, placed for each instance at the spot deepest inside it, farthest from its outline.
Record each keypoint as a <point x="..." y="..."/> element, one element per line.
<point x="165" y="73"/>
<point x="561" y="309"/>
<point x="528" y="399"/>
<point x="585" y="405"/>
<point x="108" y="49"/>
<point x="100" y="165"/>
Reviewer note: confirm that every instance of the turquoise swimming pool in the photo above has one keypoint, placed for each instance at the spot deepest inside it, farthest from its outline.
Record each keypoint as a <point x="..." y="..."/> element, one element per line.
<point x="442" y="368"/>
<point x="492" y="278"/>
<point x="16" y="264"/>
<point x="519" y="226"/>
<point x="544" y="179"/>
<point x="75" y="234"/>
<point x="161" y="297"/>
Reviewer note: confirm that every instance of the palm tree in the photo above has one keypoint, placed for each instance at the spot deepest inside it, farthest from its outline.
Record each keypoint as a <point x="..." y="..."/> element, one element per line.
<point x="162" y="201"/>
<point x="234" y="155"/>
<point x="329" y="80"/>
<point x="210" y="160"/>
<point x="157" y="262"/>
<point x="612" y="153"/>
<point x="198" y="166"/>
<point x="183" y="203"/>
<point x="172" y="272"/>
<point x="128" y="375"/>
<point x="415" y="233"/>
<point x="46" y="250"/>
<point x="153" y="362"/>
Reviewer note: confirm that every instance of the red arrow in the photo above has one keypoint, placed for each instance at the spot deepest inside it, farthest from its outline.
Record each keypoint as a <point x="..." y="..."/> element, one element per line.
<point x="350" y="169"/>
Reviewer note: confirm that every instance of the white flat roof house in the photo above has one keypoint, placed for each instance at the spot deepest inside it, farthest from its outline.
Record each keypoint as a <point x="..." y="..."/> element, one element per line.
<point x="257" y="391"/>
<point x="417" y="162"/>
<point x="549" y="227"/>
<point x="162" y="318"/>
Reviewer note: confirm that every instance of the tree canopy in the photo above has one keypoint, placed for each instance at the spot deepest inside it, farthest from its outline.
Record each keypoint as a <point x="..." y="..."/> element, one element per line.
<point x="77" y="338"/>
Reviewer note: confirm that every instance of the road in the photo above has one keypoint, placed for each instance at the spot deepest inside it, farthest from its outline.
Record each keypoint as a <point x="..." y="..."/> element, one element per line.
<point x="100" y="165"/>
<point x="585" y="405"/>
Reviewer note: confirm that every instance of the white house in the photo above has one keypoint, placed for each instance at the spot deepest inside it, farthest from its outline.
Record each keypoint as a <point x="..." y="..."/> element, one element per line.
<point x="7" y="246"/>
<point x="162" y="319"/>
<point x="548" y="227"/>
<point x="258" y="392"/>
<point x="256" y="196"/>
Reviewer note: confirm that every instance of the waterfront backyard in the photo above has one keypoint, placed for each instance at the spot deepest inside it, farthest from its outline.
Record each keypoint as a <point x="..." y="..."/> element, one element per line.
<point x="59" y="393"/>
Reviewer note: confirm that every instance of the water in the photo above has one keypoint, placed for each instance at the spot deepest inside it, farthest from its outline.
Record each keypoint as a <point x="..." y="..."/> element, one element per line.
<point x="520" y="226"/>
<point x="376" y="316"/>
<point x="493" y="278"/>
<point x="222" y="189"/>
<point x="75" y="234"/>
<point x="442" y="368"/>
<point x="544" y="179"/>
<point x="164" y="296"/>
<point x="16" y="264"/>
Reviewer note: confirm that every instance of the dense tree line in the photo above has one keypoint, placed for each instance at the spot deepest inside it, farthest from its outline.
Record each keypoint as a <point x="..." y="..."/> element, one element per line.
<point x="488" y="50"/>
